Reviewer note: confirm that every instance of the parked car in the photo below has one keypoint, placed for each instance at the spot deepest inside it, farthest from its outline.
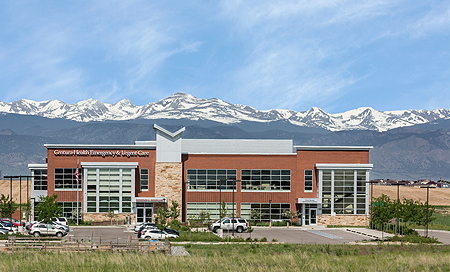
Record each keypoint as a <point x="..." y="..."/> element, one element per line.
<point x="59" y="226"/>
<point x="15" y="221"/>
<point x="46" y="229"/>
<point x="172" y="231"/>
<point x="9" y="220"/>
<point x="227" y="223"/>
<point x="143" y="229"/>
<point x="141" y="226"/>
<point x="7" y="225"/>
<point x="28" y="227"/>
<point x="4" y="231"/>
<point x="157" y="234"/>
<point x="60" y="220"/>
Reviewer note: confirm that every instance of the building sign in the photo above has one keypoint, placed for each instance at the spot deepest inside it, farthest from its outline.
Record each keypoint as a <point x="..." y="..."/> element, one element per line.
<point x="101" y="153"/>
<point x="308" y="200"/>
<point x="151" y="199"/>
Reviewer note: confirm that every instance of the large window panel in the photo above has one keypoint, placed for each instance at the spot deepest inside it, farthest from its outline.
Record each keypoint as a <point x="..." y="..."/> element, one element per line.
<point x="210" y="179"/>
<point x="109" y="189"/>
<point x="266" y="180"/>
<point x="344" y="191"/>
<point x="193" y="209"/>
<point x="268" y="211"/>
<point x="40" y="179"/>
<point x="65" y="179"/>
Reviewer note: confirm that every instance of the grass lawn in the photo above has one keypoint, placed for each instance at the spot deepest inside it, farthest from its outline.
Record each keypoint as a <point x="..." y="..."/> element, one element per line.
<point x="244" y="257"/>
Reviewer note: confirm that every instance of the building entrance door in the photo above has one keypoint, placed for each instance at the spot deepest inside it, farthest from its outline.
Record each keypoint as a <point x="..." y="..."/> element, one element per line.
<point x="144" y="215"/>
<point x="310" y="214"/>
<point x="313" y="216"/>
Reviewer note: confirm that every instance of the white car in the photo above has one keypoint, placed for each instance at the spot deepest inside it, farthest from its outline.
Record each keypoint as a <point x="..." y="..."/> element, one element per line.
<point x="8" y="227"/>
<point x="157" y="234"/>
<point x="60" y="220"/>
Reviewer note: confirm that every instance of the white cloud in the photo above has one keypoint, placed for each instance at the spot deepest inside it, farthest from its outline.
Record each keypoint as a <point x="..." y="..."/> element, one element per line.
<point x="436" y="20"/>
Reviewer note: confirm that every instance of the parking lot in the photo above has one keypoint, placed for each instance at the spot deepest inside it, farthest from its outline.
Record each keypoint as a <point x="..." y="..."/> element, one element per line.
<point x="318" y="235"/>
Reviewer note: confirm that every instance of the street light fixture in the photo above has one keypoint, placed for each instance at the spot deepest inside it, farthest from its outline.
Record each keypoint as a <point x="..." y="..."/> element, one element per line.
<point x="428" y="194"/>
<point x="234" y="185"/>
<point x="398" y="184"/>
<point x="372" y="182"/>
<point x="270" y="212"/>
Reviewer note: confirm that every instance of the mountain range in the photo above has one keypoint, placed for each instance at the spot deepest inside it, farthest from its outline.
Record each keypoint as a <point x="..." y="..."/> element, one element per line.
<point x="185" y="106"/>
<point x="407" y="144"/>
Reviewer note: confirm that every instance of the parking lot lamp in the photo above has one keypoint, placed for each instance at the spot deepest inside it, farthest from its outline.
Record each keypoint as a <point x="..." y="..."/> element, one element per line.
<point x="270" y="212"/>
<point x="428" y="194"/>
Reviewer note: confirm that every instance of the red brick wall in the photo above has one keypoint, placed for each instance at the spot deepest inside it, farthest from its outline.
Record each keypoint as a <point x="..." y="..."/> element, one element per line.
<point x="239" y="162"/>
<point x="296" y="163"/>
<point x="307" y="159"/>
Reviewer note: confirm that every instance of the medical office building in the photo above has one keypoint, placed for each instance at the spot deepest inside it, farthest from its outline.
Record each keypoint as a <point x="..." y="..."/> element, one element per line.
<point x="327" y="184"/>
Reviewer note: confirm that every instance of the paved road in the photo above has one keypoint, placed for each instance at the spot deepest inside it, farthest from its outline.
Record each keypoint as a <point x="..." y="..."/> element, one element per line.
<point x="443" y="236"/>
<point x="308" y="235"/>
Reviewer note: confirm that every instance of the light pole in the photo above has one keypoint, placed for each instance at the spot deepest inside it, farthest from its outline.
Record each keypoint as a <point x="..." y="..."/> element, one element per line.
<point x="270" y="212"/>
<point x="428" y="194"/>
<point x="220" y="200"/>
<point x="234" y="185"/>
<point x="398" y="184"/>
<point x="371" y="198"/>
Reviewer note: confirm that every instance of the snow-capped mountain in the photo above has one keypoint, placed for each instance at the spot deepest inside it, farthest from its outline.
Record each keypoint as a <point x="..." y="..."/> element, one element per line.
<point x="185" y="106"/>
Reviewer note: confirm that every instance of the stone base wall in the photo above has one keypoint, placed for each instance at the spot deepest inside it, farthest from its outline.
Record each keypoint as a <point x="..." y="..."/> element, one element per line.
<point x="99" y="217"/>
<point x="343" y="220"/>
<point x="168" y="181"/>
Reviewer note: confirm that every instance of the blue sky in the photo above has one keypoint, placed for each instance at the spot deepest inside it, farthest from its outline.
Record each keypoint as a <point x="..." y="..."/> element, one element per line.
<point x="335" y="55"/>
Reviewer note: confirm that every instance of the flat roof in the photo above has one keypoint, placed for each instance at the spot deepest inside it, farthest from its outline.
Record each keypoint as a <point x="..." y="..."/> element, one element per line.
<point x="331" y="148"/>
<point x="101" y="146"/>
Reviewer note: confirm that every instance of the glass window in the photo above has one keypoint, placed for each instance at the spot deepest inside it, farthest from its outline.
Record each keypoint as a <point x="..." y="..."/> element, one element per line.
<point x="264" y="211"/>
<point x="69" y="209"/>
<point x="65" y="179"/>
<point x="308" y="180"/>
<point x="40" y="179"/>
<point x="210" y="179"/>
<point x="194" y="209"/>
<point x="266" y="180"/>
<point x="144" y="180"/>
<point x="343" y="183"/>
<point x="107" y="195"/>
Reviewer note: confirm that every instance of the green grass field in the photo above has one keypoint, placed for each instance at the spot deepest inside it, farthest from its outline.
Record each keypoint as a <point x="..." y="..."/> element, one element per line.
<point x="244" y="257"/>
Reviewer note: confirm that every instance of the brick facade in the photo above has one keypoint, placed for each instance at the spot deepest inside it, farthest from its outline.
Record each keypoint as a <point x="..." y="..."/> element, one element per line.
<point x="168" y="179"/>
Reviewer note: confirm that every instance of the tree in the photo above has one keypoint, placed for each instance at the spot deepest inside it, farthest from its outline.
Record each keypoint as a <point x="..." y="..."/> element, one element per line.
<point x="291" y="214"/>
<point x="111" y="215"/>
<point x="384" y="209"/>
<point x="48" y="207"/>
<point x="5" y="206"/>
<point x="162" y="214"/>
<point x="77" y="213"/>
<point x="27" y="209"/>
<point x="223" y="211"/>
<point x="174" y="211"/>
<point x="256" y="214"/>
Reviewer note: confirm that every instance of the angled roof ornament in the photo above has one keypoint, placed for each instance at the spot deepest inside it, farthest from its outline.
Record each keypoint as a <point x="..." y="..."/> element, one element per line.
<point x="168" y="133"/>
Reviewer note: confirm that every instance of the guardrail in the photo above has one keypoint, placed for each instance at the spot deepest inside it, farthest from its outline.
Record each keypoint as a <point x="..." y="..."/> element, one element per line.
<point x="52" y="245"/>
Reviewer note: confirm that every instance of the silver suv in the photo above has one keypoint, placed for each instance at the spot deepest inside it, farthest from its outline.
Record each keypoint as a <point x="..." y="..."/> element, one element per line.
<point x="45" y="229"/>
<point x="237" y="224"/>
